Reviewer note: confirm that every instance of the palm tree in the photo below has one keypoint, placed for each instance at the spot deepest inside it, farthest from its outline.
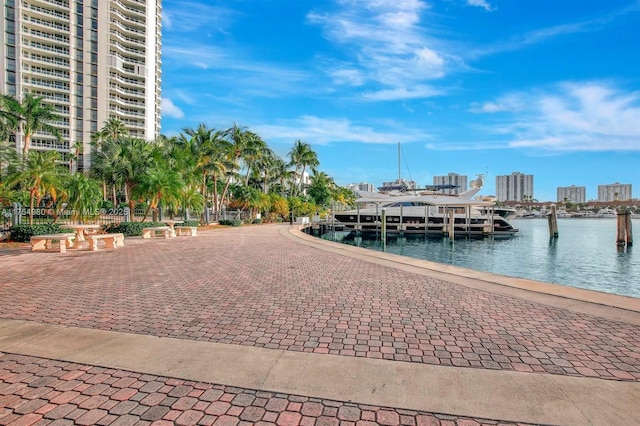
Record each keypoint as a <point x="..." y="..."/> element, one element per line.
<point x="32" y="116"/>
<point x="159" y="183"/>
<point x="129" y="159"/>
<point x="302" y="156"/>
<point x="112" y="129"/>
<point x="83" y="197"/>
<point x="237" y="138"/>
<point x="41" y="177"/>
<point x="104" y="140"/>
<point x="9" y="160"/>
<point x="210" y="148"/>
<point x="283" y="174"/>
<point x="8" y="122"/>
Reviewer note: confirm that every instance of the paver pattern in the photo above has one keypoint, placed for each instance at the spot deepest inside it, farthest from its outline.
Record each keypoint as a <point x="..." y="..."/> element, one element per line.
<point x="46" y="392"/>
<point x="255" y="287"/>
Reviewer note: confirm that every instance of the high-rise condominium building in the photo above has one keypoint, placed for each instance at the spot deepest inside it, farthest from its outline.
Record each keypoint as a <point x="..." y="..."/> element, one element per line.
<point x="614" y="192"/>
<point x="452" y="179"/>
<point x="514" y="187"/>
<point x="575" y="194"/>
<point x="362" y="186"/>
<point x="92" y="59"/>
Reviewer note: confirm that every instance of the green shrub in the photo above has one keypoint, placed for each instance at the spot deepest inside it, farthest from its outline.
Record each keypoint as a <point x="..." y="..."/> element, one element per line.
<point x="130" y="229"/>
<point x="257" y="221"/>
<point x="23" y="233"/>
<point x="107" y="205"/>
<point x="230" y="222"/>
<point x="190" y="223"/>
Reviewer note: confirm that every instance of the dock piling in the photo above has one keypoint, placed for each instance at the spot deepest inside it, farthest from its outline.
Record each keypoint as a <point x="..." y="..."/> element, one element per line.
<point x="624" y="232"/>
<point x="553" y="222"/>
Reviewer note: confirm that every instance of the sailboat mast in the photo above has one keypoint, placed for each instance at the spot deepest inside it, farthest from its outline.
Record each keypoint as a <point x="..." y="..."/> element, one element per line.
<point x="399" y="176"/>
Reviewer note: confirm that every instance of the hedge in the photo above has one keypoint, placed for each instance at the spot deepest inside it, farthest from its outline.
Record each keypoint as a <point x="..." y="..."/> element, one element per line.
<point x="23" y="233"/>
<point x="130" y="229"/>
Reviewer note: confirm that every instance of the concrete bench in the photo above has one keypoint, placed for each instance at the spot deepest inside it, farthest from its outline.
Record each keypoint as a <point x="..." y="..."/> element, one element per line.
<point x="154" y="231"/>
<point x="190" y="231"/>
<point x="110" y="240"/>
<point x="45" y="242"/>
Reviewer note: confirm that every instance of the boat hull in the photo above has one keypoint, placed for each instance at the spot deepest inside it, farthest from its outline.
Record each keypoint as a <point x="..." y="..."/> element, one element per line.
<point x="433" y="225"/>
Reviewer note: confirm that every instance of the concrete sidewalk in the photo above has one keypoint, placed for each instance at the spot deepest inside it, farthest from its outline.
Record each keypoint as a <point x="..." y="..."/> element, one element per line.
<point x="266" y="309"/>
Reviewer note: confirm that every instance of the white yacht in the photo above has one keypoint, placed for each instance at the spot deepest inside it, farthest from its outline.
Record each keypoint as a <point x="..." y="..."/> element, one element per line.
<point x="427" y="212"/>
<point x="607" y="213"/>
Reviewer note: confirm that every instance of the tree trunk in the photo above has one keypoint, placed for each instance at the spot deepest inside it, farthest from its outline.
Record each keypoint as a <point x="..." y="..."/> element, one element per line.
<point x="215" y="198"/>
<point x="224" y="192"/>
<point x="27" y="145"/>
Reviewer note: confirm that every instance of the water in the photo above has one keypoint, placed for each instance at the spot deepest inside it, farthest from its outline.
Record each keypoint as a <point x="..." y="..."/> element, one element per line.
<point x="585" y="255"/>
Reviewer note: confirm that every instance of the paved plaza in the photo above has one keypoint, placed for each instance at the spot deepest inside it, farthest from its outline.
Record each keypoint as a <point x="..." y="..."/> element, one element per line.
<point x="263" y="324"/>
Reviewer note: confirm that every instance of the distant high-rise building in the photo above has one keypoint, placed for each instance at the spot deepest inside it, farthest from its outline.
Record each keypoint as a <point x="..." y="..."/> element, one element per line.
<point x="452" y="179"/>
<point x="614" y="192"/>
<point x="575" y="194"/>
<point x="514" y="187"/>
<point x="92" y="60"/>
<point x="362" y="186"/>
<point x="400" y="184"/>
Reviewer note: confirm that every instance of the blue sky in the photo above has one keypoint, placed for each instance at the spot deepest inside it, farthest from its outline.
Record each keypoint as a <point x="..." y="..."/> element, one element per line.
<point x="545" y="87"/>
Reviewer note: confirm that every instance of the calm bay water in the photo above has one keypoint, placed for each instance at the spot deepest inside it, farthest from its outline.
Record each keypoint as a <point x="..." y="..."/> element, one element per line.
<point x="585" y="255"/>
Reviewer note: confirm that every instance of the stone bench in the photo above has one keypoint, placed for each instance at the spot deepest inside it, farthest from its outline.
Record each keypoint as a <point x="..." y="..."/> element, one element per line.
<point x="155" y="231"/>
<point x="110" y="240"/>
<point x="45" y="242"/>
<point x="190" y="231"/>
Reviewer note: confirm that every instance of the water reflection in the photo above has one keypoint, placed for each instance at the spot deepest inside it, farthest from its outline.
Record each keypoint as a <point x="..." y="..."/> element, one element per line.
<point x="584" y="255"/>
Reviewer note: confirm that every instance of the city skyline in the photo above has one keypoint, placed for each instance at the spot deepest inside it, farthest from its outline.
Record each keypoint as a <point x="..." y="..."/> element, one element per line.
<point x="477" y="86"/>
<point x="568" y="190"/>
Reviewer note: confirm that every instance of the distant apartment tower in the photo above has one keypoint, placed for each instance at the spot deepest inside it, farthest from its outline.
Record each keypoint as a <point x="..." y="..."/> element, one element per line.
<point x="399" y="184"/>
<point x="452" y="179"/>
<point x="615" y="191"/>
<point x="514" y="187"/>
<point x="362" y="186"/>
<point x="92" y="60"/>
<point x="575" y="194"/>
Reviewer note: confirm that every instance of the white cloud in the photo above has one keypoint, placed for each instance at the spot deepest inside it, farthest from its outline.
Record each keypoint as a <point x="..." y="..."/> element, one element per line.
<point x="591" y="116"/>
<point x="169" y="109"/>
<point x="480" y="3"/>
<point x="508" y="103"/>
<point x="322" y="131"/>
<point x="402" y="93"/>
<point x="388" y="46"/>
<point x="190" y="17"/>
<point x="541" y="35"/>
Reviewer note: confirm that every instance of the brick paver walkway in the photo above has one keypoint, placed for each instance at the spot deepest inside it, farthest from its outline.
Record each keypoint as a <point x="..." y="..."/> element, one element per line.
<point x="255" y="287"/>
<point x="47" y="392"/>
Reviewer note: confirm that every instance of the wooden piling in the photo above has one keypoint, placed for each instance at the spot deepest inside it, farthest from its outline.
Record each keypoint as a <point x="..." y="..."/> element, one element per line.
<point x="384" y="229"/>
<point x="624" y="232"/>
<point x="452" y="223"/>
<point x="553" y="222"/>
<point x="629" y="230"/>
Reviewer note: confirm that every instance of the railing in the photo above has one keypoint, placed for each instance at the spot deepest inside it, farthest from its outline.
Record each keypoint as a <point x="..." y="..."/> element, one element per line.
<point x="16" y="214"/>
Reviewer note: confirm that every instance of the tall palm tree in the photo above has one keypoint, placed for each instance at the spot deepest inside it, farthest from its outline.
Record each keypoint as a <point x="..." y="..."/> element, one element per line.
<point x="32" y="115"/>
<point x="41" y="177"/>
<point x="210" y="147"/>
<point x="254" y="150"/>
<point x="159" y="183"/>
<point x="283" y="174"/>
<point x="237" y="138"/>
<point x="9" y="160"/>
<point x="111" y="130"/>
<point x="302" y="156"/>
<point x="130" y="159"/>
